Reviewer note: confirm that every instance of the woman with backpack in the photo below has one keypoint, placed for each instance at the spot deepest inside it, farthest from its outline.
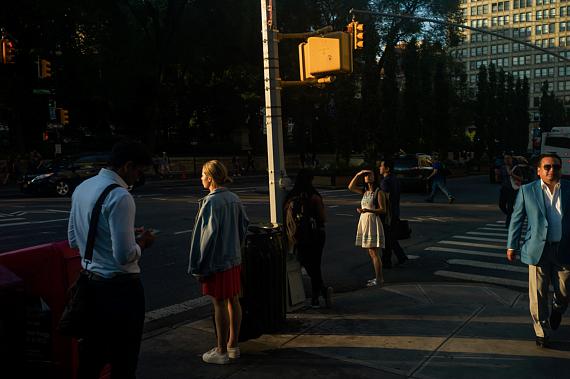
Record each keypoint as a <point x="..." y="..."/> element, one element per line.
<point x="215" y="258"/>
<point x="370" y="232"/>
<point x="304" y="213"/>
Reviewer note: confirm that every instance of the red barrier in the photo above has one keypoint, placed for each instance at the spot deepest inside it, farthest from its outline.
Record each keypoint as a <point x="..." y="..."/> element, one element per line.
<point x="48" y="271"/>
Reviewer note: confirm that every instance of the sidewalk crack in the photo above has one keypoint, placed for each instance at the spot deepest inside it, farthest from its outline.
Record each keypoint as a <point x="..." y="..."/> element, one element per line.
<point x="432" y="355"/>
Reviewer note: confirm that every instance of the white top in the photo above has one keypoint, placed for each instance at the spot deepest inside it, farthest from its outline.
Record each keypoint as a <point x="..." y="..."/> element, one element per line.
<point x="553" y="212"/>
<point x="115" y="251"/>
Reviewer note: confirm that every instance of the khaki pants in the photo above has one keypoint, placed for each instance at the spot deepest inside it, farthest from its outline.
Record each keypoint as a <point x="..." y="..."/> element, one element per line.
<point x="547" y="271"/>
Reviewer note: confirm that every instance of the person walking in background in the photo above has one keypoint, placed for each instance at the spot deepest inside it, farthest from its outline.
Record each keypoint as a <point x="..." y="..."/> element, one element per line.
<point x="116" y="295"/>
<point x="546" y="248"/>
<point x="304" y="212"/>
<point x="438" y="180"/>
<point x="510" y="183"/>
<point x="391" y="185"/>
<point x="370" y="232"/>
<point x="236" y="165"/>
<point x="215" y="258"/>
<point x="165" y="165"/>
<point x="250" y="162"/>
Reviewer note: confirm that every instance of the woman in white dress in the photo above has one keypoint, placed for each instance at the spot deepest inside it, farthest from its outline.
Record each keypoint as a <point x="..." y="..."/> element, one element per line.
<point x="370" y="232"/>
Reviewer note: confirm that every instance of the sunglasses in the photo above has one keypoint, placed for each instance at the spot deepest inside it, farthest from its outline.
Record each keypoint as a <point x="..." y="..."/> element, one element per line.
<point x="548" y="167"/>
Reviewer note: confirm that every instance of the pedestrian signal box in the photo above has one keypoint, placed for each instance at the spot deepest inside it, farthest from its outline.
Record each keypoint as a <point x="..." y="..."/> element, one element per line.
<point x="327" y="55"/>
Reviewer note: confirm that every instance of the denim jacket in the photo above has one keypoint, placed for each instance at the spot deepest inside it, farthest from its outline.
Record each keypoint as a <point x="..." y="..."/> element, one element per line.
<point x="219" y="232"/>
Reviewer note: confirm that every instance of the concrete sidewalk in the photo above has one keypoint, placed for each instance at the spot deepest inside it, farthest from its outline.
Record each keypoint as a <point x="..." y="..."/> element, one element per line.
<point x="399" y="331"/>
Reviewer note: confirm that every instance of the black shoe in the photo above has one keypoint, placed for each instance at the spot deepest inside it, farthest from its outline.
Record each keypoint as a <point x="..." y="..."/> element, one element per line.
<point x="555" y="318"/>
<point x="542" y="342"/>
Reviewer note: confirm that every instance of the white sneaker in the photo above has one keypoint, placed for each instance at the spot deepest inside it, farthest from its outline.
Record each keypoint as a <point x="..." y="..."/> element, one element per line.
<point x="234" y="352"/>
<point x="213" y="356"/>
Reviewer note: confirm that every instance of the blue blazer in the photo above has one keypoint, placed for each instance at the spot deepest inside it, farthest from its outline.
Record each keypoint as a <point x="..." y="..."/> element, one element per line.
<point x="530" y="204"/>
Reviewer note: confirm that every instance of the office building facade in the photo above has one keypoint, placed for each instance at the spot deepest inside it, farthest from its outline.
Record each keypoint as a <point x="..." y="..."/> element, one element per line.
<point x="544" y="23"/>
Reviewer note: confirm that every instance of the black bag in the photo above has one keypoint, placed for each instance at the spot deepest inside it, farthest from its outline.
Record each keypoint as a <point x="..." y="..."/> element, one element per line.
<point x="403" y="230"/>
<point x="74" y="321"/>
<point x="300" y="223"/>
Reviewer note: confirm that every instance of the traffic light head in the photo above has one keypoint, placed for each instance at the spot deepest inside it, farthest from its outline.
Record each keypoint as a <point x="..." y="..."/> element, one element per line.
<point x="63" y="116"/>
<point x="8" y="51"/>
<point x="45" y="69"/>
<point x="358" y="35"/>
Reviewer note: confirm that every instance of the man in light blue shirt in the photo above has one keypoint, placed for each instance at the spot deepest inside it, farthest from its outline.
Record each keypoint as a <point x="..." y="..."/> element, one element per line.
<point x="116" y="299"/>
<point x="546" y="246"/>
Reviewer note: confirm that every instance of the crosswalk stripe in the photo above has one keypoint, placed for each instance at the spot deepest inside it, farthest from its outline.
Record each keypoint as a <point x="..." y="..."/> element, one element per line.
<point x="461" y="243"/>
<point x="488" y="234"/>
<point x="482" y="278"/>
<point x="494" y="229"/>
<point x="481" y="239"/>
<point x="498" y="227"/>
<point x="492" y="266"/>
<point x="13" y="219"/>
<point x="467" y="252"/>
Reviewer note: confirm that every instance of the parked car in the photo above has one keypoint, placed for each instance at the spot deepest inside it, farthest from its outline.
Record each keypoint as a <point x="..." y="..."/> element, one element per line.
<point x="412" y="171"/>
<point x="60" y="177"/>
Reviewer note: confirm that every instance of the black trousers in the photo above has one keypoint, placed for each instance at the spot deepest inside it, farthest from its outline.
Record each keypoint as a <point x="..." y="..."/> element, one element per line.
<point x="117" y="323"/>
<point x="507" y="199"/>
<point x="310" y="256"/>
<point x="392" y="246"/>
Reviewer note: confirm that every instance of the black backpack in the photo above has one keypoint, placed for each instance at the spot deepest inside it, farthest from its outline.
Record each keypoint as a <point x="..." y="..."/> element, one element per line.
<point x="300" y="222"/>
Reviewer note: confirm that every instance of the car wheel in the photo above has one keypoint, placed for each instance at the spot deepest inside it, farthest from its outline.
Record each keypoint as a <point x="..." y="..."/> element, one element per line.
<point x="62" y="188"/>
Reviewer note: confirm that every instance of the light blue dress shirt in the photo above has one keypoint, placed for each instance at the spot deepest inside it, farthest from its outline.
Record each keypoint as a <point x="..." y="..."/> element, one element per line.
<point x="116" y="251"/>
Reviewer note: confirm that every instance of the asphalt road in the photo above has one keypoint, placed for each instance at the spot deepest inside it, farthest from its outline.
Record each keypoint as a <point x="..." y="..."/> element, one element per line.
<point x="463" y="241"/>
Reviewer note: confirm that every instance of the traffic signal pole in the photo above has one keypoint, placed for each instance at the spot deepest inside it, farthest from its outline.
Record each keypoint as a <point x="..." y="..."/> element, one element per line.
<point x="278" y="179"/>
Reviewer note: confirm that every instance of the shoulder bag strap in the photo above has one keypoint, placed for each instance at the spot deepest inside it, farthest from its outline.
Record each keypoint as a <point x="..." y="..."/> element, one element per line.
<point x="94" y="221"/>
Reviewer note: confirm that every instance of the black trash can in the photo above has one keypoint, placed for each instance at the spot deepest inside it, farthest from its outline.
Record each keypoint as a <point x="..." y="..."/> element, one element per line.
<point x="263" y="281"/>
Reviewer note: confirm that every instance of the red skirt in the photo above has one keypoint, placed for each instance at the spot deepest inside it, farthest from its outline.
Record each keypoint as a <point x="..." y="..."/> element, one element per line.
<point x="223" y="285"/>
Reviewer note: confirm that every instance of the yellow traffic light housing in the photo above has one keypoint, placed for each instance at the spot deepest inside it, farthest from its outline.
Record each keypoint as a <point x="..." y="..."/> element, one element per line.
<point x="323" y="56"/>
<point x="63" y="116"/>
<point x="45" y="69"/>
<point x="8" y="51"/>
<point x="356" y="29"/>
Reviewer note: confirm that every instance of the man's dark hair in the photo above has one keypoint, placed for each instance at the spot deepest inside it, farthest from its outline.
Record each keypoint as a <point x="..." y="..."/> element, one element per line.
<point x="126" y="151"/>
<point x="388" y="163"/>
<point x="547" y="155"/>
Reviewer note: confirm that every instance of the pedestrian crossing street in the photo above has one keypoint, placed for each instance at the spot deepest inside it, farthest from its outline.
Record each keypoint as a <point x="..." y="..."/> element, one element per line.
<point x="480" y="256"/>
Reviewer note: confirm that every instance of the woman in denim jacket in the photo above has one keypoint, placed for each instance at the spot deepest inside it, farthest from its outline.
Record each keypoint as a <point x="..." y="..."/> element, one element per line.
<point x="215" y="258"/>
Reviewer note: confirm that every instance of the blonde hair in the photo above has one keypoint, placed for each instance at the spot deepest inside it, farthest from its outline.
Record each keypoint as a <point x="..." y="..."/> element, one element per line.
<point x="217" y="171"/>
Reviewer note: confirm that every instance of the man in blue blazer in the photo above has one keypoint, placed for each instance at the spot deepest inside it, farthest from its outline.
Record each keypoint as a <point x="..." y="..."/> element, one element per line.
<point x="546" y="245"/>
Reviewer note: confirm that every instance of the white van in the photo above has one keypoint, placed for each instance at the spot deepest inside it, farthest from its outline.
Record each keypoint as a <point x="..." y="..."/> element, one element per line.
<point x="558" y="141"/>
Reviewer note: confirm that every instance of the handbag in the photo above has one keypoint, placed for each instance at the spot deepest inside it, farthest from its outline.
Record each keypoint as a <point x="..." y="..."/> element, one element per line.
<point x="74" y="321"/>
<point x="403" y="230"/>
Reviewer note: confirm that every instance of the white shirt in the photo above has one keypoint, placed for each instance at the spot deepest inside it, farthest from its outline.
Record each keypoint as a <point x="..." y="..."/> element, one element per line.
<point x="553" y="212"/>
<point x="115" y="251"/>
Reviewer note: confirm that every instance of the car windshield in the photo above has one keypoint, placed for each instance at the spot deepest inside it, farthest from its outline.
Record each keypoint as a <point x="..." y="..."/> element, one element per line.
<point x="405" y="164"/>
